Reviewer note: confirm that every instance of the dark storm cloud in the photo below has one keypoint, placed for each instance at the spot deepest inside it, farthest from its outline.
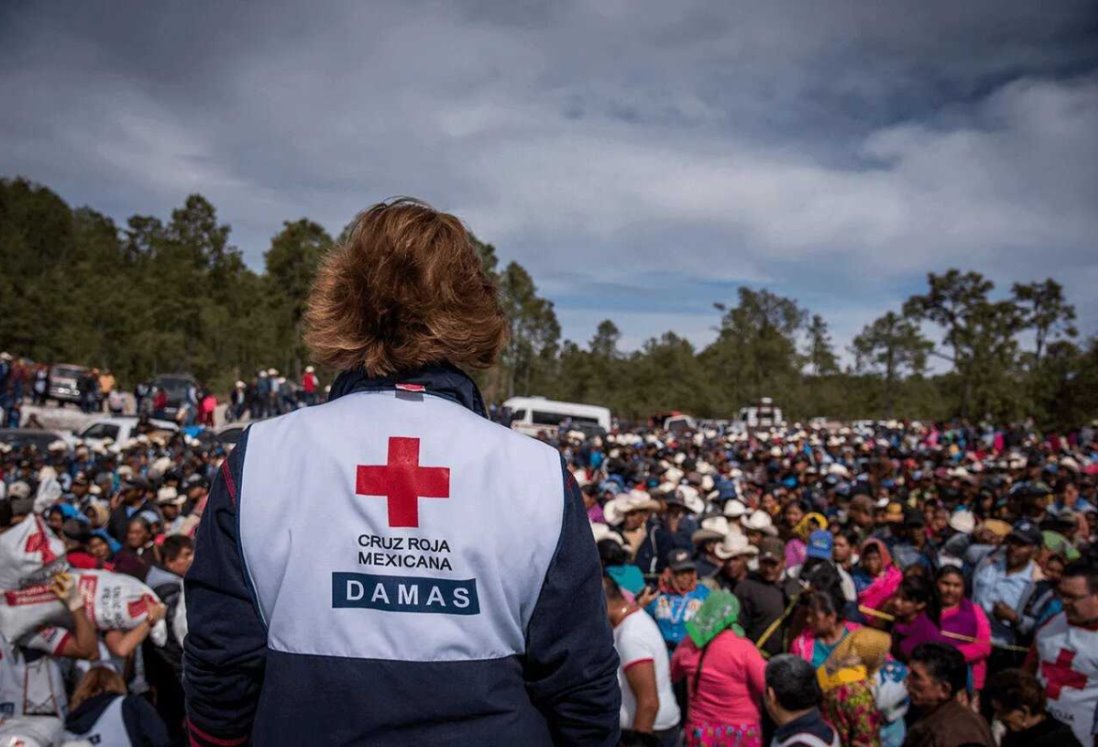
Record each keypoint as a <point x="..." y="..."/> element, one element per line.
<point x="640" y="159"/>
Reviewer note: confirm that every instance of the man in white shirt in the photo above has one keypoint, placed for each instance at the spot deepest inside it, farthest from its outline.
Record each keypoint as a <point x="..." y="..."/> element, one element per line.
<point x="649" y="713"/>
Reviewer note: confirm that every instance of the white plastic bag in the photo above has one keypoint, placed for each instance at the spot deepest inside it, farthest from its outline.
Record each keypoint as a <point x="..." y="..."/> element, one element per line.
<point x="179" y="619"/>
<point x="112" y="601"/>
<point x="30" y="553"/>
<point x="30" y="731"/>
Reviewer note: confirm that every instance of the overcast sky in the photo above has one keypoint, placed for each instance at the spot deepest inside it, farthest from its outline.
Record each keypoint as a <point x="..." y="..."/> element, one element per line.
<point x="642" y="160"/>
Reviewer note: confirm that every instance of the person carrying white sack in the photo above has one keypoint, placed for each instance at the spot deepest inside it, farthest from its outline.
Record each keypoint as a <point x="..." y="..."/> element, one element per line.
<point x="30" y="678"/>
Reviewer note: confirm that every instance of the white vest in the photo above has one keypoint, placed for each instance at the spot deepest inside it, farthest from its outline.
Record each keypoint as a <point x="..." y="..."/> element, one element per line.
<point x="109" y="729"/>
<point x="447" y="568"/>
<point x="1068" y="668"/>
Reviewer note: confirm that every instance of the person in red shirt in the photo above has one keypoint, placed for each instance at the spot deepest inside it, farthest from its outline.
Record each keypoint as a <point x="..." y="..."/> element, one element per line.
<point x="206" y="410"/>
<point x="310" y="383"/>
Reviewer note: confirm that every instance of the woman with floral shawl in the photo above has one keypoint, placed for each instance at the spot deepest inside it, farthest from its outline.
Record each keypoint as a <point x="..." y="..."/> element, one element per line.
<point x="847" y="680"/>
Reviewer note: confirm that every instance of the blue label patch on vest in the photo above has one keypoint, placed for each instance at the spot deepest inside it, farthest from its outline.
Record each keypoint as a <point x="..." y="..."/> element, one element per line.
<point x="405" y="594"/>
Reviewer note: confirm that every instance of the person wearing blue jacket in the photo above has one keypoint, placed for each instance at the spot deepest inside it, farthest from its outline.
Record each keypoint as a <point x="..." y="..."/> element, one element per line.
<point x="391" y="567"/>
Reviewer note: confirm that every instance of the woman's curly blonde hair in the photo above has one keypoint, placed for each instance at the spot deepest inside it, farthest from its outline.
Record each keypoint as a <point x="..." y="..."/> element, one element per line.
<point x="406" y="290"/>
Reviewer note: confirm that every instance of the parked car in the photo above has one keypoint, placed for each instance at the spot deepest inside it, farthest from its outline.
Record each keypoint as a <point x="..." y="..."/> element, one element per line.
<point x="175" y="386"/>
<point x="119" y="429"/>
<point x="41" y="440"/>
<point x="65" y="382"/>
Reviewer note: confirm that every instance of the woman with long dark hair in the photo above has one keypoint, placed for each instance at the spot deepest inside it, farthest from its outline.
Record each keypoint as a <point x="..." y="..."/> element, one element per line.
<point x="918" y="610"/>
<point x="825" y="627"/>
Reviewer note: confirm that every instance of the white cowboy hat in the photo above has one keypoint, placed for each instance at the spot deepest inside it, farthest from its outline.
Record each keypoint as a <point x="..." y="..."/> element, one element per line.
<point x="168" y="495"/>
<point x="602" y="532"/>
<point x="635" y="500"/>
<point x="963" y="522"/>
<point x="735" y="545"/>
<point x="734" y="508"/>
<point x="760" y="521"/>
<point x="691" y="498"/>
<point x="19" y="490"/>
<point x="712" y="528"/>
<point x="1069" y="464"/>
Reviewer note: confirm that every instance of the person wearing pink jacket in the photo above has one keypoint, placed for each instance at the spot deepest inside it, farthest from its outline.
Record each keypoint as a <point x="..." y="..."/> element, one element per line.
<point x="964" y="623"/>
<point x="725" y="677"/>
<point x="876" y="578"/>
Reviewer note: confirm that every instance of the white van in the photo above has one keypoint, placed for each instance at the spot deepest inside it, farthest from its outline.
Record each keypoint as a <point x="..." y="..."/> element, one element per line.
<point x="534" y="415"/>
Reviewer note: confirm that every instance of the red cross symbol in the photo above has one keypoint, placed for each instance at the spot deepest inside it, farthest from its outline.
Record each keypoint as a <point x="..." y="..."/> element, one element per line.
<point x="39" y="542"/>
<point x="1059" y="674"/>
<point x="403" y="482"/>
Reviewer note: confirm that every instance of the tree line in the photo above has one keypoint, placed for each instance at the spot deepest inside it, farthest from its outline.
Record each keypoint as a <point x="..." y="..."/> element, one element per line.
<point x="158" y="295"/>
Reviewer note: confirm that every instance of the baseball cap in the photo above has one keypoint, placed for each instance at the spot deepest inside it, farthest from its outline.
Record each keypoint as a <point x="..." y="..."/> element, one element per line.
<point x="680" y="560"/>
<point x="819" y="544"/>
<point x="771" y="548"/>
<point x="1027" y="533"/>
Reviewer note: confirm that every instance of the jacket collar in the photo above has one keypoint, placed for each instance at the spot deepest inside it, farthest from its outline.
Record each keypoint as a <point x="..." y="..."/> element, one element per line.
<point x="442" y="380"/>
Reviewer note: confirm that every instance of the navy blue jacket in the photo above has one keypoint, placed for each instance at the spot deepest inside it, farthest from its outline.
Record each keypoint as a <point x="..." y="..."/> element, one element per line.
<point x="243" y="686"/>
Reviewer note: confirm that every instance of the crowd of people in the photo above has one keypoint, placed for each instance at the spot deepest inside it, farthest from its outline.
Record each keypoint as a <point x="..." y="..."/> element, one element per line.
<point x="895" y="584"/>
<point x="266" y="394"/>
<point x="269" y="394"/>
<point x="132" y="510"/>
<point x="911" y="584"/>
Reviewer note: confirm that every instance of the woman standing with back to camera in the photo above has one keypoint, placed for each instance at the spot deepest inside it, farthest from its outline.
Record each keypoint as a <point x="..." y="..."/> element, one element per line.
<point x="391" y="567"/>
